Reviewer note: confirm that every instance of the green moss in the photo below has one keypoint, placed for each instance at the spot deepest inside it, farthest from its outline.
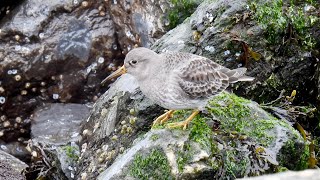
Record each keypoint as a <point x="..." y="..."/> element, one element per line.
<point x="183" y="157"/>
<point x="71" y="152"/>
<point x="234" y="166"/>
<point x="200" y="132"/>
<point x="235" y="115"/>
<point x="294" y="156"/>
<point x="282" y="169"/>
<point x="152" y="166"/>
<point x="181" y="10"/>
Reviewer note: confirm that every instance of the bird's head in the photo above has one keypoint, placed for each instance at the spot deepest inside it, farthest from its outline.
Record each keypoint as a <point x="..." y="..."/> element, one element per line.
<point x="135" y="63"/>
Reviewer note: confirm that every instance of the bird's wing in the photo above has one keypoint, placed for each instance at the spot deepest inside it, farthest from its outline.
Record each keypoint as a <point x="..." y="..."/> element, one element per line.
<point x="202" y="77"/>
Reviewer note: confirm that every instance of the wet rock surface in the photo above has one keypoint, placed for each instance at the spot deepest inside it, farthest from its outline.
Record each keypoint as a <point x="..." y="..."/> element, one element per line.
<point x="55" y="131"/>
<point x="58" y="52"/>
<point x="58" y="123"/>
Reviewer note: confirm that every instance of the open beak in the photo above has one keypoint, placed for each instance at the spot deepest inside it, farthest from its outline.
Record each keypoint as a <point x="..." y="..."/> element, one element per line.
<point x="115" y="74"/>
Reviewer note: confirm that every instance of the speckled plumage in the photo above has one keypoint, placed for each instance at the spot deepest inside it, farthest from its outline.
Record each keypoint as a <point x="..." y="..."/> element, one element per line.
<point x="177" y="80"/>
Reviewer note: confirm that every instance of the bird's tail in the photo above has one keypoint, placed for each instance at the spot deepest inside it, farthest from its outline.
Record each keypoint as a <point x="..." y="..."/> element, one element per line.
<point x="236" y="75"/>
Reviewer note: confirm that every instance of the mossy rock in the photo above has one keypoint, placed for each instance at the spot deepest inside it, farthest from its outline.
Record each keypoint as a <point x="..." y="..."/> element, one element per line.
<point x="233" y="139"/>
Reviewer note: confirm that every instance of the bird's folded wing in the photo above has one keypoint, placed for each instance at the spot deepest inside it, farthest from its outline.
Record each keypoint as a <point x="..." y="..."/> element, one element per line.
<point x="202" y="77"/>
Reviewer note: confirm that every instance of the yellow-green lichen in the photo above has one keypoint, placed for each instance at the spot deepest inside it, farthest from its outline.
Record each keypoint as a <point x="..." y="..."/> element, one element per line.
<point x="273" y="81"/>
<point x="154" y="137"/>
<point x="151" y="166"/>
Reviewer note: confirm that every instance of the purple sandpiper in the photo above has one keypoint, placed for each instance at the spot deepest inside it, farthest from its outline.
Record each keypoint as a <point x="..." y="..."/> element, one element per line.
<point x="177" y="80"/>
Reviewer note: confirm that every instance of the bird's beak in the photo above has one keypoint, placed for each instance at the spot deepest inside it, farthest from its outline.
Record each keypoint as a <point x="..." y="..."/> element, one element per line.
<point x="115" y="74"/>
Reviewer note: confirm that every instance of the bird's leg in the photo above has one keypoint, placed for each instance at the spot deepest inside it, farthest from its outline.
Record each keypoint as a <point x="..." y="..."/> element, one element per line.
<point x="163" y="118"/>
<point x="184" y="123"/>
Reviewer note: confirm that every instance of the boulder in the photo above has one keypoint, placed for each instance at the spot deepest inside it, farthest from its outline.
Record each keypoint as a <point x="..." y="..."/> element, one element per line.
<point x="234" y="138"/>
<point x="55" y="132"/>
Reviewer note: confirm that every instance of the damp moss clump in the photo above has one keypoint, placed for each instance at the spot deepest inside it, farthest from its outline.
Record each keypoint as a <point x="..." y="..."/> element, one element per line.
<point x="294" y="156"/>
<point x="181" y="10"/>
<point x="151" y="166"/>
<point x="72" y="152"/>
<point x="200" y="132"/>
<point x="280" y="17"/>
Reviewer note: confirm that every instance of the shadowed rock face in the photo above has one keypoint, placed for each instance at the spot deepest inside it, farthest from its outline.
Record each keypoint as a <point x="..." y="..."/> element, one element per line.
<point x="60" y="51"/>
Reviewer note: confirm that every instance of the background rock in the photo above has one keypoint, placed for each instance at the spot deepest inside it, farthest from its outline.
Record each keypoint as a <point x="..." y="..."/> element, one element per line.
<point x="58" y="123"/>
<point x="58" y="52"/>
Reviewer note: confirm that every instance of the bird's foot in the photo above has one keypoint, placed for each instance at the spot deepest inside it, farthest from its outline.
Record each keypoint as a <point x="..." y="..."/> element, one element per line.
<point x="163" y="118"/>
<point x="184" y="123"/>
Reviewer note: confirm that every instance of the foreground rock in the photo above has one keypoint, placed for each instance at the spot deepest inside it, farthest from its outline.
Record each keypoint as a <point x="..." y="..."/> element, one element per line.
<point x="11" y="167"/>
<point x="235" y="138"/>
<point x="301" y="175"/>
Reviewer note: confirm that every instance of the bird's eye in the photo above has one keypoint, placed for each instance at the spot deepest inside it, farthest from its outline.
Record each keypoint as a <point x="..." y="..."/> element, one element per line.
<point x="133" y="62"/>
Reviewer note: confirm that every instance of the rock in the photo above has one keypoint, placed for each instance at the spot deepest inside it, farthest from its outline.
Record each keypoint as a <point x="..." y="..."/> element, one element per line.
<point x="55" y="131"/>
<point x="248" y="142"/>
<point x="117" y="118"/>
<point x="158" y="140"/>
<point x="58" y="123"/>
<point x="234" y="138"/>
<point x="310" y="174"/>
<point x="58" y="52"/>
<point x="11" y="167"/>
<point x="17" y="149"/>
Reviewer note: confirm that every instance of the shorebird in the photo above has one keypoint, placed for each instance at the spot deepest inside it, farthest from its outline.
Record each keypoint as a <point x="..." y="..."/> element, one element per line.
<point x="177" y="80"/>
